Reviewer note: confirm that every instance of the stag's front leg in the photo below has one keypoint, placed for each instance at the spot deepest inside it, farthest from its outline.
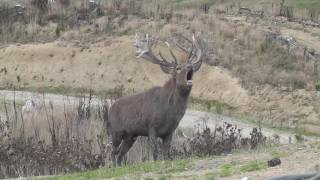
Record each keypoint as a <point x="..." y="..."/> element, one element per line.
<point x="124" y="148"/>
<point x="154" y="143"/>
<point x="166" y="144"/>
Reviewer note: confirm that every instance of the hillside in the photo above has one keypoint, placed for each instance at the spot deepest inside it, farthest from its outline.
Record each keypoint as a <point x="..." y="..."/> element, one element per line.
<point x="83" y="60"/>
<point x="262" y="69"/>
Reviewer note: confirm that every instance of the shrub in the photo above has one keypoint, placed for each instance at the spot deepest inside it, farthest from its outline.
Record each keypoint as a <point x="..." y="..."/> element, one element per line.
<point x="223" y="139"/>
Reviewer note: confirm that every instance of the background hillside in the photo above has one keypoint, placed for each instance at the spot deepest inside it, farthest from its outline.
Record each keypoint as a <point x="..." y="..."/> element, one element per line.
<point x="262" y="67"/>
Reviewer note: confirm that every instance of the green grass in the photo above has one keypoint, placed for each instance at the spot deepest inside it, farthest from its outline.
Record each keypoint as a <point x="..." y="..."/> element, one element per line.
<point x="254" y="166"/>
<point x="237" y="167"/>
<point x="226" y="170"/>
<point x="162" y="168"/>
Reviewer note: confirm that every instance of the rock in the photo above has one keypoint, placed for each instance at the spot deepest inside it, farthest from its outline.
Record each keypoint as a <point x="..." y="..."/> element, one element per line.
<point x="310" y="23"/>
<point x="274" y="162"/>
<point x="245" y="178"/>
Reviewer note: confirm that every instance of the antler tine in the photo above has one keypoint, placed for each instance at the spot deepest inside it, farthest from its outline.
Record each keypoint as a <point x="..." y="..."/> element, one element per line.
<point x="190" y="50"/>
<point x="162" y="57"/>
<point x="172" y="54"/>
<point x="144" y="51"/>
<point x="191" y="54"/>
<point x="200" y="47"/>
<point x="181" y="47"/>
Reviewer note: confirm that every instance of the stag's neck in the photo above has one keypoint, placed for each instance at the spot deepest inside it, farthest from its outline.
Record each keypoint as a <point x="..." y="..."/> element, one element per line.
<point x="175" y="94"/>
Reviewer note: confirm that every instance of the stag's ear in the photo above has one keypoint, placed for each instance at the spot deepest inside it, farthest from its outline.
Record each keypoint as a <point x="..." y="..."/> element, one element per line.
<point x="196" y="66"/>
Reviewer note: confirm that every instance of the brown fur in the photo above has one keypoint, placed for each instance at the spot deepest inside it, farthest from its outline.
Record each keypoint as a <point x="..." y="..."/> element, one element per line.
<point x="154" y="113"/>
<point x="158" y="111"/>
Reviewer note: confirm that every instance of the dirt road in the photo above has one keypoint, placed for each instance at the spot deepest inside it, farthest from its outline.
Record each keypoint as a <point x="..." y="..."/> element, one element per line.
<point x="190" y="122"/>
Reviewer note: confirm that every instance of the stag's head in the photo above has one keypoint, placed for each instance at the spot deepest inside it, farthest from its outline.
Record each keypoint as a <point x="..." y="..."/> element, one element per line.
<point x="182" y="73"/>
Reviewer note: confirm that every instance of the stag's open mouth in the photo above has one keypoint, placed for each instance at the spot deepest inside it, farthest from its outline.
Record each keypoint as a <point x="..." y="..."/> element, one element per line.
<point x="189" y="77"/>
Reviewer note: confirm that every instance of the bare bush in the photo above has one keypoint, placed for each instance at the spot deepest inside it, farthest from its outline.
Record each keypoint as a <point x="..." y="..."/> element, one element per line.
<point x="220" y="140"/>
<point x="51" y="140"/>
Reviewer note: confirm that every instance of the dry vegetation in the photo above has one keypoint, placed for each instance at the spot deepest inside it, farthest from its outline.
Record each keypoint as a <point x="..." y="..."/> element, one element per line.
<point x="68" y="137"/>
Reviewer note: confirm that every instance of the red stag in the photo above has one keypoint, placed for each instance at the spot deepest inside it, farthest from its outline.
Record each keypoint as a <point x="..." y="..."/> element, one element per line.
<point x="157" y="111"/>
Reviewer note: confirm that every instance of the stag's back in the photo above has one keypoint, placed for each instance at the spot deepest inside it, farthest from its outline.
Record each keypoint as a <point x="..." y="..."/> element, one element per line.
<point x="155" y="108"/>
<point x="134" y="113"/>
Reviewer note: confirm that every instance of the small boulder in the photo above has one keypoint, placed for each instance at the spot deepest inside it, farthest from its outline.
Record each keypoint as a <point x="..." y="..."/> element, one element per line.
<point x="274" y="162"/>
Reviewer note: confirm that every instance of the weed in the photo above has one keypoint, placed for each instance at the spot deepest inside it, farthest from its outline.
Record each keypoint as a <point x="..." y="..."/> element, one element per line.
<point x="226" y="170"/>
<point x="253" y="166"/>
<point x="210" y="176"/>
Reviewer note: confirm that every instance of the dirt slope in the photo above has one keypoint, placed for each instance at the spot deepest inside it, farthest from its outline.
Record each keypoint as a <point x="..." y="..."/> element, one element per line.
<point x="108" y="63"/>
<point x="103" y="66"/>
<point x="103" y="63"/>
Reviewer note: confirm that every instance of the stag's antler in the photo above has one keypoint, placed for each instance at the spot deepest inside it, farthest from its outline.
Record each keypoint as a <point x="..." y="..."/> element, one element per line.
<point x="144" y="51"/>
<point x="196" y="52"/>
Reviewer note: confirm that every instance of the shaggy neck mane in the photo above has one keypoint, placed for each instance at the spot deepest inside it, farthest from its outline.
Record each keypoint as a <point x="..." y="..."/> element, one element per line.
<point x="171" y="89"/>
<point x="170" y="86"/>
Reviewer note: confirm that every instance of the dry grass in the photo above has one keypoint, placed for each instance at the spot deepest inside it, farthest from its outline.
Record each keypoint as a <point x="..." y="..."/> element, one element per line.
<point x="240" y="45"/>
<point x="70" y="136"/>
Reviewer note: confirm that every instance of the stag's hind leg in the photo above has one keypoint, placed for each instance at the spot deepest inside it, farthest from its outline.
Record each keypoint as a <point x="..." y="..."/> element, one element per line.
<point x="116" y="141"/>
<point x="124" y="148"/>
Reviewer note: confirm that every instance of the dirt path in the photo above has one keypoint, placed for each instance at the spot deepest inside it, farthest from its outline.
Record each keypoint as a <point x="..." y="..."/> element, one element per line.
<point x="189" y="124"/>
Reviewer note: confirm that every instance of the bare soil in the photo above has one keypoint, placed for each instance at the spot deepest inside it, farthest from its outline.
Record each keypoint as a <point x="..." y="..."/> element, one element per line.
<point x="101" y="66"/>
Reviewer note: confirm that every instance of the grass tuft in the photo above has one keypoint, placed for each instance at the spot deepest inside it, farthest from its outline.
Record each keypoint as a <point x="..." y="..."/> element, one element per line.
<point x="159" y="167"/>
<point x="254" y="166"/>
